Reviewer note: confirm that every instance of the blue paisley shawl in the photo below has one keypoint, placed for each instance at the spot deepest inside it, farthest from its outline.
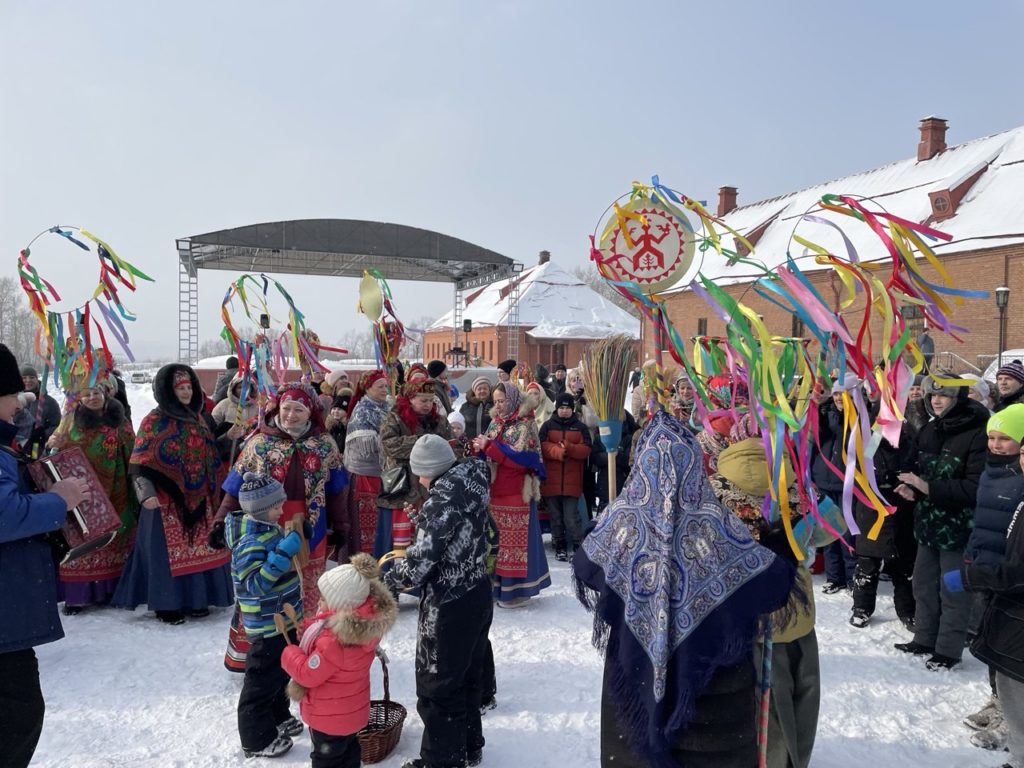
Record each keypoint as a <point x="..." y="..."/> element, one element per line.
<point x="677" y="585"/>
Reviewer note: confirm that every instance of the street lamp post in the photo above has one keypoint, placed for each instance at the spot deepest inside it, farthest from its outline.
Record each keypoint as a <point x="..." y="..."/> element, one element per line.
<point x="1002" y="299"/>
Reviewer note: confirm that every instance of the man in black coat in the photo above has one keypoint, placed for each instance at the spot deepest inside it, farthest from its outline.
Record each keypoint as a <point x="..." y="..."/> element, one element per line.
<point x="447" y="561"/>
<point x="37" y="421"/>
<point x="220" y="389"/>
<point x="840" y="561"/>
<point x="1010" y="384"/>
<point x="558" y="382"/>
<point x="952" y="449"/>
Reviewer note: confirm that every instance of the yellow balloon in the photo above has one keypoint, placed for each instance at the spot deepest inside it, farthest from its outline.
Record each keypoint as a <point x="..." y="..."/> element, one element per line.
<point x="371" y="298"/>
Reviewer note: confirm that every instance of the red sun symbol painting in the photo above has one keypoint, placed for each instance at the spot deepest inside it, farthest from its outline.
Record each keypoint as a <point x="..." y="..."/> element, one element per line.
<point x="648" y="245"/>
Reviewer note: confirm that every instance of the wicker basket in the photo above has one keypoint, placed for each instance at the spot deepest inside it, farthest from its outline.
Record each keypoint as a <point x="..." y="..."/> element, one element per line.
<point x="381" y="734"/>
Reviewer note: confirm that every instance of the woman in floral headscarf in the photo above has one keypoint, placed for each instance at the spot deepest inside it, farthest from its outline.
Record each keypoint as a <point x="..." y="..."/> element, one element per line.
<point x="366" y="412"/>
<point x="97" y="424"/>
<point x="416" y="413"/>
<point x="176" y="472"/>
<point x="512" y="444"/>
<point x="294" y="448"/>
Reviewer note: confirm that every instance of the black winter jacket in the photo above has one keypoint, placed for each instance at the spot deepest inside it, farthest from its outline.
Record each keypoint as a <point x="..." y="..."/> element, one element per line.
<point x="599" y="459"/>
<point x="477" y="414"/>
<point x="1014" y="399"/>
<point x="1000" y="491"/>
<point x="951" y="457"/>
<point x="831" y="438"/>
<point x="1000" y="643"/>
<point x="448" y="557"/>
<point x="897" y="534"/>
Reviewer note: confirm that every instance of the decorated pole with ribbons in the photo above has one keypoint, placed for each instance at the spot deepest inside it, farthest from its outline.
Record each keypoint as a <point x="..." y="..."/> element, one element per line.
<point x="375" y="302"/>
<point x="264" y="359"/>
<point x="74" y="342"/>
<point x="605" y="372"/>
<point x="775" y="371"/>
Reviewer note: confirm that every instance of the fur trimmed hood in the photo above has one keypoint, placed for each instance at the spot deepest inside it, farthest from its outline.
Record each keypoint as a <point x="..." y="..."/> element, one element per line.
<point x="527" y="406"/>
<point x="112" y="415"/>
<point x="167" y="401"/>
<point x="351" y="628"/>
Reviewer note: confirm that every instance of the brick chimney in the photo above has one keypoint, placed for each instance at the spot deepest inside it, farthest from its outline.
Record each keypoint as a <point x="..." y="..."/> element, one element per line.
<point x="726" y="200"/>
<point x="544" y="257"/>
<point x="933" y="138"/>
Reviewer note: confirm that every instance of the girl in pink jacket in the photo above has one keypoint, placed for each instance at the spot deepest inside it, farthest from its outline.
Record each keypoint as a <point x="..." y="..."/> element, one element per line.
<point x="330" y="670"/>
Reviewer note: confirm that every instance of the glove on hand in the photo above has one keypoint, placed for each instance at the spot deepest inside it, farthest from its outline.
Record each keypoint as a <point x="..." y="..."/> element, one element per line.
<point x="290" y="545"/>
<point x="278" y="563"/>
<point x="215" y="539"/>
<point x="954" y="581"/>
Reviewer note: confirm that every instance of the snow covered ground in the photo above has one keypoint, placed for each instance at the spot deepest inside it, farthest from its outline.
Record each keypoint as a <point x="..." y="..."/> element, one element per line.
<point x="124" y="690"/>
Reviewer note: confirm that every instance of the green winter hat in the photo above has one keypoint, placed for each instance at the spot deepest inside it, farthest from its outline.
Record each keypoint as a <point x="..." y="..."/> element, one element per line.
<point x="1009" y="421"/>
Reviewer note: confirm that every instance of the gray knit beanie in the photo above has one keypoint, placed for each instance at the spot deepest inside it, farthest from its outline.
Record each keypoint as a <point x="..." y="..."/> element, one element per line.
<point x="431" y="456"/>
<point x="259" y="494"/>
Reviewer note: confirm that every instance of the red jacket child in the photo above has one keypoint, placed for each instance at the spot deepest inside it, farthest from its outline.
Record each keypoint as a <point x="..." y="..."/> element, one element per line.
<point x="565" y="444"/>
<point x="330" y="670"/>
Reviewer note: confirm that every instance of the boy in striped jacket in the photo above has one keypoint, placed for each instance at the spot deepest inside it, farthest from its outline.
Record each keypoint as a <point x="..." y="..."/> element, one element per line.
<point x="265" y="579"/>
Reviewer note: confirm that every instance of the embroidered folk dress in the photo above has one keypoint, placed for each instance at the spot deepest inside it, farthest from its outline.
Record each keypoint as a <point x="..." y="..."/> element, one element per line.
<point x="522" y="567"/>
<point x="106" y="438"/>
<point x="171" y="567"/>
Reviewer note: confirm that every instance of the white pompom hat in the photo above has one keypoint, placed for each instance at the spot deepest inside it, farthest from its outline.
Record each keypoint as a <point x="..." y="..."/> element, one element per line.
<point x="347" y="586"/>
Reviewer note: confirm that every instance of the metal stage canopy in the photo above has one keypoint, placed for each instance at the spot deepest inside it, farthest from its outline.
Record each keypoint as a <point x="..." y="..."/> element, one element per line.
<point x="333" y="248"/>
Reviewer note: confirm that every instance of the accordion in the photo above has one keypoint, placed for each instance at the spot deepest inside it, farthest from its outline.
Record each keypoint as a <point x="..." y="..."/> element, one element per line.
<point x="91" y="525"/>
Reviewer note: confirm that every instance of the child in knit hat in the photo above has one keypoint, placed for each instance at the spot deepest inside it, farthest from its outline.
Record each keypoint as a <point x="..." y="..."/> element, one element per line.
<point x="265" y="579"/>
<point x="330" y="670"/>
<point x="459" y="442"/>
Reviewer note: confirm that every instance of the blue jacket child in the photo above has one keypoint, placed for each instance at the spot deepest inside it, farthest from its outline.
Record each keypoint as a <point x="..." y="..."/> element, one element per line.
<point x="264" y="578"/>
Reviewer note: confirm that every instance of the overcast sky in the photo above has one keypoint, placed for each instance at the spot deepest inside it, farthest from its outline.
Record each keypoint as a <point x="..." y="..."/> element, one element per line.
<point x="509" y="124"/>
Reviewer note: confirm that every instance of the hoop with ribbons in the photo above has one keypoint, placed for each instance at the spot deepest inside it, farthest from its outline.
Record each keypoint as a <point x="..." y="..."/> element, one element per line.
<point x="74" y="342"/>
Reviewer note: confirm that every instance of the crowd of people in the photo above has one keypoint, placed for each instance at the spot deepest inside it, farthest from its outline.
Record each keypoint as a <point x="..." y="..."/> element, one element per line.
<point x="224" y="505"/>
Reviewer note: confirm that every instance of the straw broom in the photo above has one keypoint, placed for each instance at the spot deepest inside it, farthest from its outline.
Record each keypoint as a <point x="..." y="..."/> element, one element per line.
<point x="606" y="367"/>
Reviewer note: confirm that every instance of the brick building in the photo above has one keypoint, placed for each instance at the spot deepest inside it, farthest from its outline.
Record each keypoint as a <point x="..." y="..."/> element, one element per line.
<point x="973" y="192"/>
<point x="555" y="317"/>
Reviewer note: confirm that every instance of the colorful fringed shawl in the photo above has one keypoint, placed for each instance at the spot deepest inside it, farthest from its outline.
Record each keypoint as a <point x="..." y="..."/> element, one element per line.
<point x="270" y="452"/>
<point x="107" y="439"/>
<point x="677" y="586"/>
<point x="180" y="457"/>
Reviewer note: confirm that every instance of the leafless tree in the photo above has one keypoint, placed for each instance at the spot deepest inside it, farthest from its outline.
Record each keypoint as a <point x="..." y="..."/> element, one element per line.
<point x="589" y="275"/>
<point x="18" y="325"/>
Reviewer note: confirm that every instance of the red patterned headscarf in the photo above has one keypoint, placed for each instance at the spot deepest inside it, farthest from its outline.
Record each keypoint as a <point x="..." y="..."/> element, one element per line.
<point x="366" y="381"/>
<point x="303" y="394"/>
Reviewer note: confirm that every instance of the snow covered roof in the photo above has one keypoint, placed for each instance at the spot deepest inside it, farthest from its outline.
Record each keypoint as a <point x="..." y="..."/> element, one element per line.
<point x="990" y="214"/>
<point x="552" y="302"/>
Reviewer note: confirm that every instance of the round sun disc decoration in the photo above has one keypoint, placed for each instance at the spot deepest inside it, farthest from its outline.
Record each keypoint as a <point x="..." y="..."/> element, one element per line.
<point x="648" y="243"/>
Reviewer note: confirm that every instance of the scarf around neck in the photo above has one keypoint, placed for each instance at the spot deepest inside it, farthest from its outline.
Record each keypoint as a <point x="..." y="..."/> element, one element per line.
<point x="677" y="586"/>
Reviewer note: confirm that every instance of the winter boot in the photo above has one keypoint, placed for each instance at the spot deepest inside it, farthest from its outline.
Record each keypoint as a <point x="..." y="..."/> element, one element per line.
<point x="939" y="662"/>
<point x="491" y="703"/>
<point x="833" y="587"/>
<point x="994" y="738"/>
<point x="474" y="757"/>
<point x="859" y="618"/>
<point x="915" y="648"/>
<point x="276" y="748"/>
<point x="174" y="618"/>
<point x="986" y="717"/>
<point x="290" y="727"/>
<point x="907" y="622"/>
